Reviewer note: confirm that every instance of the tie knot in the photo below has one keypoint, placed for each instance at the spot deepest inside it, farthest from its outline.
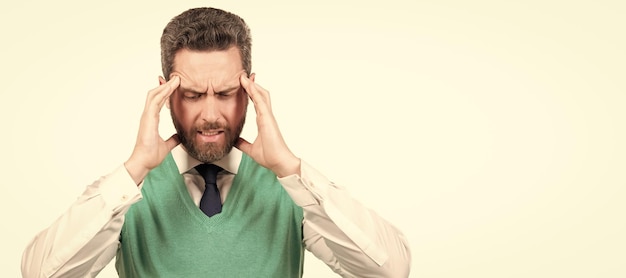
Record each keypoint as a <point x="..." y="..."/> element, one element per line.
<point x="208" y="172"/>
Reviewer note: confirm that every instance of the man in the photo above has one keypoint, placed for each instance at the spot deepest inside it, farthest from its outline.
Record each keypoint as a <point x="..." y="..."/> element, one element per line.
<point x="165" y="213"/>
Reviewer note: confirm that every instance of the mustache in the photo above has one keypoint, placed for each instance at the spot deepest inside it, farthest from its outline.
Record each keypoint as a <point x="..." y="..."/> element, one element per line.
<point x="211" y="126"/>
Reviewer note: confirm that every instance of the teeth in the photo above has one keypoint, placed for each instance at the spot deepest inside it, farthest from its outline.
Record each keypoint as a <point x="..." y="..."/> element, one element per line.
<point x="209" y="133"/>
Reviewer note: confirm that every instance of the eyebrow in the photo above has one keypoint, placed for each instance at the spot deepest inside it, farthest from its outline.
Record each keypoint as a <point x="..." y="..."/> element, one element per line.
<point x="189" y="90"/>
<point x="229" y="89"/>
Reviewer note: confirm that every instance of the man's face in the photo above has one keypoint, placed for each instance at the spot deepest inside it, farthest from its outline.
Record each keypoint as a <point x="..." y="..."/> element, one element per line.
<point x="209" y="107"/>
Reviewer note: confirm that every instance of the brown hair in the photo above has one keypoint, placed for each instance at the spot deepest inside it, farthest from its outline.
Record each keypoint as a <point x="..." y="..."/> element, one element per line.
<point x="205" y="29"/>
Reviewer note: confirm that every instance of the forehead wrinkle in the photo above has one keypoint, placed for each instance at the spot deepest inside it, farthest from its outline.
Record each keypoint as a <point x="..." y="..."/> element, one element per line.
<point x="187" y="82"/>
<point x="191" y="82"/>
<point x="192" y="87"/>
<point x="227" y="84"/>
<point x="212" y="86"/>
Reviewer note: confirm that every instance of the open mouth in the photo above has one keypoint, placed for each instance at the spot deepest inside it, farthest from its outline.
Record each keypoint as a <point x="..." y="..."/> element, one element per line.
<point x="210" y="135"/>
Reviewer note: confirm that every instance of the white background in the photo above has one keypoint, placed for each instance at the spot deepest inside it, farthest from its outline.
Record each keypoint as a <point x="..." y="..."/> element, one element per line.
<point x="492" y="134"/>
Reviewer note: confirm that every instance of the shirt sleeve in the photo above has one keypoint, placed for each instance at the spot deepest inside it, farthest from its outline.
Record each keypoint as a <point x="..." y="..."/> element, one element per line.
<point x="82" y="241"/>
<point x="350" y="238"/>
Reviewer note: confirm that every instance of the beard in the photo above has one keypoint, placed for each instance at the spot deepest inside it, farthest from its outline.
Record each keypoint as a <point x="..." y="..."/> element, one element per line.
<point x="208" y="152"/>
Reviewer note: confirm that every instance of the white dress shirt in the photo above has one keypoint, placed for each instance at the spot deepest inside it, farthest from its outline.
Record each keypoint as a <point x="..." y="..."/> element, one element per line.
<point x="351" y="239"/>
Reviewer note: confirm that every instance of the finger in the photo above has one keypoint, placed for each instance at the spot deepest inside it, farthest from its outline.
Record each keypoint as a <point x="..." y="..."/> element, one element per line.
<point x="171" y="86"/>
<point x="154" y="103"/>
<point x="172" y="142"/>
<point x="265" y="94"/>
<point x="165" y="86"/>
<point x="253" y="91"/>
<point x="243" y="146"/>
<point x="159" y="95"/>
<point x="245" y="83"/>
<point x="161" y="82"/>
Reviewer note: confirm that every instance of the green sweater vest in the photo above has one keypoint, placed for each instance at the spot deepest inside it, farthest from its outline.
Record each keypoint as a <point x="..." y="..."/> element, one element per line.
<point x="257" y="234"/>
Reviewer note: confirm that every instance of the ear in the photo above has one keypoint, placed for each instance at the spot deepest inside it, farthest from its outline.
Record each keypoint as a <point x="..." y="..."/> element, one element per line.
<point x="252" y="75"/>
<point x="161" y="80"/>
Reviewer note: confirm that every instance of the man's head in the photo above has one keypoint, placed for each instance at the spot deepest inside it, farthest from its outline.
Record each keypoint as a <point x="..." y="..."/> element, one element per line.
<point x="205" y="29"/>
<point x="209" y="49"/>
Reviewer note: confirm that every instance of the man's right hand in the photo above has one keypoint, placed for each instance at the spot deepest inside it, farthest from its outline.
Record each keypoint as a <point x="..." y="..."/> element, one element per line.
<point x="150" y="148"/>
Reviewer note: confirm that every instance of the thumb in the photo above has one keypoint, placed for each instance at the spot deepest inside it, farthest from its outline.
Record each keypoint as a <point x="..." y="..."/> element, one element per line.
<point x="172" y="142"/>
<point x="243" y="146"/>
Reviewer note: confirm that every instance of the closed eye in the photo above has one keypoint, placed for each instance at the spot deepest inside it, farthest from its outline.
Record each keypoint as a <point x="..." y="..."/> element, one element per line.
<point x="223" y="95"/>
<point x="192" y="95"/>
<point x="226" y="94"/>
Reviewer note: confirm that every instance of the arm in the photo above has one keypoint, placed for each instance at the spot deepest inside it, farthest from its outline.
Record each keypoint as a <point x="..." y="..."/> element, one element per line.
<point x="349" y="237"/>
<point x="85" y="238"/>
<point x="353" y="240"/>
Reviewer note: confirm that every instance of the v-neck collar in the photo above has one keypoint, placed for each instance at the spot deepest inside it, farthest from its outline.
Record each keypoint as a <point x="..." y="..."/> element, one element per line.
<point x="185" y="162"/>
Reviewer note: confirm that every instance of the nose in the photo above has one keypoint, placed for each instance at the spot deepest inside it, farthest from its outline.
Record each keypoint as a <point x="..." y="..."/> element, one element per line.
<point x="210" y="111"/>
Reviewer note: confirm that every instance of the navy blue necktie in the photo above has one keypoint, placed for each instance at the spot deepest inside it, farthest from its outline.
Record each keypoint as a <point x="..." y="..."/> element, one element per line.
<point x="210" y="203"/>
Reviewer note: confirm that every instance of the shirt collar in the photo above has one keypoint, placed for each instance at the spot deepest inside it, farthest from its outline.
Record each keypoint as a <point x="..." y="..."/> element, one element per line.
<point x="185" y="162"/>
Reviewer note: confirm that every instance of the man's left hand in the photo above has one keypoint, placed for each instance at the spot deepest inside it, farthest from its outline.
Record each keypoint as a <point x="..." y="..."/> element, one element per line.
<point x="269" y="148"/>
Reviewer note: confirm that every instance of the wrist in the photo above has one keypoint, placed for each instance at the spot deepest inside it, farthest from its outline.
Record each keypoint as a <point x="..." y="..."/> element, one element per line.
<point x="289" y="167"/>
<point x="135" y="170"/>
